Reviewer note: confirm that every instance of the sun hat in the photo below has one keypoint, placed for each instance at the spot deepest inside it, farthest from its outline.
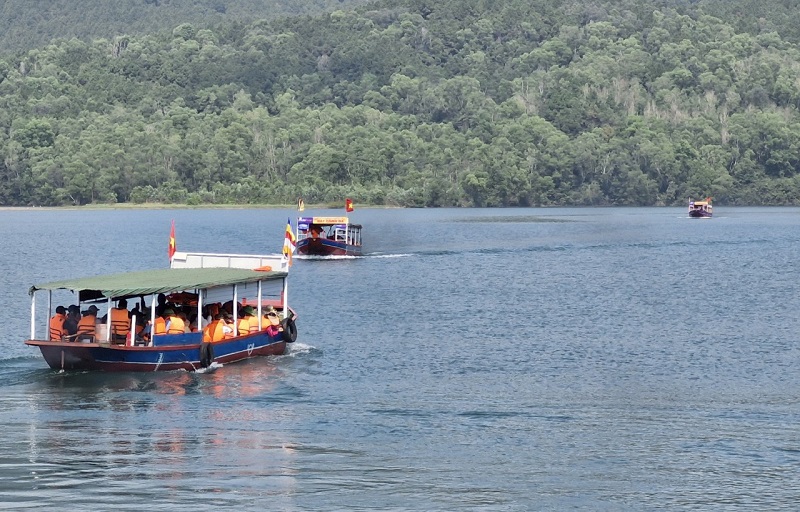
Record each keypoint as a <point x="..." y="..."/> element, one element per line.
<point x="272" y="316"/>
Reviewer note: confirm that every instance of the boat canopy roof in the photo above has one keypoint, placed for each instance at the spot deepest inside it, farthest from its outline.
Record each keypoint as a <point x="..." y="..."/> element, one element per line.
<point x="165" y="280"/>
<point x="326" y="221"/>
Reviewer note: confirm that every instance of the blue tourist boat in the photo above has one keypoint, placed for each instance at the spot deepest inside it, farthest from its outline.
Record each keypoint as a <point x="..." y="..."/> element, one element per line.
<point x="193" y="288"/>
<point x="328" y="236"/>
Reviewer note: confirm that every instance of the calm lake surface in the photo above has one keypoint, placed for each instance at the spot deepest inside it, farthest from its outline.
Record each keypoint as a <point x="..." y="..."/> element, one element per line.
<point x="514" y="359"/>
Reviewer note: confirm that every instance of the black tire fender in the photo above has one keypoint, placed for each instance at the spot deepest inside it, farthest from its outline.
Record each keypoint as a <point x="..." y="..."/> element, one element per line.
<point x="289" y="330"/>
<point x="206" y="354"/>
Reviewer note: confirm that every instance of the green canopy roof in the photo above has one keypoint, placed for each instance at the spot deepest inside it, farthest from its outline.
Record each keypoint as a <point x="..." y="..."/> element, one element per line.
<point x="160" y="281"/>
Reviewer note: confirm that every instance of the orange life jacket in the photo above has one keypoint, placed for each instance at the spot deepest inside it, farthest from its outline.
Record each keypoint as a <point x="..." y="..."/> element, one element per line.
<point x="120" y="322"/>
<point x="57" y="327"/>
<point x="160" y="326"/>
<point x="87" y="325"/>
<point x="208" y="331"/>
<point x="216" y="329"/>
<point x="176" y="325"/>
<point x="253" y="321"/>
<point x="243" y="326"/>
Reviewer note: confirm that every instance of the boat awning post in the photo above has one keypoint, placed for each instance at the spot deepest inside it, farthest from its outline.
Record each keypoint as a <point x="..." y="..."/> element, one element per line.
<point x="235" y="308"/>
<point x="108" y="320"/>
<point x="259" y="306"/>
<point x="49" y="314"/>
<point x="33" y="316"/>
<point x="153" y="299"/>
<point x="200" y="318"/>
<point x="132" y="333"/>
<point x="285" y="297"/>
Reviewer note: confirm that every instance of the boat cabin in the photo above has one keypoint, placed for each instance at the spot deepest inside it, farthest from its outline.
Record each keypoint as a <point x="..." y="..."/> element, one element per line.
<point x="337" y="229"/>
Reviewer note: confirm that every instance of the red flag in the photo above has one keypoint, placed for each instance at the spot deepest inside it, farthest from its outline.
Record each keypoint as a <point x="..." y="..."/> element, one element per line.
<point x="172" y="245"/>
<point x="348" y="205"/>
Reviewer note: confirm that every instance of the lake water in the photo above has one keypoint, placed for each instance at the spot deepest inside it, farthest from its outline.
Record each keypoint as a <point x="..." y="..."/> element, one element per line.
<point x="498" y="359"/>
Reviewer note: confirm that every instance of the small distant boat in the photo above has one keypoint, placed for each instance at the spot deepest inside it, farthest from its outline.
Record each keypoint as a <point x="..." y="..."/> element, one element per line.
<point x="328" y="236"/>
<point x="700" y="209"/>
<point x="195" y="280"/>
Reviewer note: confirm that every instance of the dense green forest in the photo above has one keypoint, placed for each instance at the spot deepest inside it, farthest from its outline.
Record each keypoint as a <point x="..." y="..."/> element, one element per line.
<point x="417" y="103"/>
<point x="26" y="24"/>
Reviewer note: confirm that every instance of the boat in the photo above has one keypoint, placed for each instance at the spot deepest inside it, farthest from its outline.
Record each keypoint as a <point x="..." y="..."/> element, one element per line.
<point x="188" y="287"/>
<point x="700" y="209"/>
<point x="328" y="236"/>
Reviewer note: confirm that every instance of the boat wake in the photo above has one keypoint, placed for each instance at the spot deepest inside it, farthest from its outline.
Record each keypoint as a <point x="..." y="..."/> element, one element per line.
<point x="210" y="368"/>
<point x="363" y="256"/>
<point x="297" y="349"/>
<point x="318" y="258"/>
<point x="378" y="255"/>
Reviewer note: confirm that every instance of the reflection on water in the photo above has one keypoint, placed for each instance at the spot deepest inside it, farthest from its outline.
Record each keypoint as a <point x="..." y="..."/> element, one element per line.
<point x="129" y="430"/>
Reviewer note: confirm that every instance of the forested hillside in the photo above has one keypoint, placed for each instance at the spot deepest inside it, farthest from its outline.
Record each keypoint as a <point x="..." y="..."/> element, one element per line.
<point x="26" y="24"/>
<point x="418" y="103"/>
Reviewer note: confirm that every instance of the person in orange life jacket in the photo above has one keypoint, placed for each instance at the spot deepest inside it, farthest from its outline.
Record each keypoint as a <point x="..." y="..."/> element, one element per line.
<point x="120" y="321"/>
<point x="168" y="323"/>
<point x="242" y="323"/>
<point x="57" y="324"/>
<point x="175" y="324"/>
<point x="160" y="326"/>
<point x="252" y="320"/>
<point x="71" y="321"/>
<point x="187" y="327"/>
<point x="220" y="329"/>
<point x="88" y="323"/>
<point x="227" y="326"/>
<point x="209" y="331"/>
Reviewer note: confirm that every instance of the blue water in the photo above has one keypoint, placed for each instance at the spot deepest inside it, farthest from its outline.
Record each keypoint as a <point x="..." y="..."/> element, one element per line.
<point x="516" y="359"/>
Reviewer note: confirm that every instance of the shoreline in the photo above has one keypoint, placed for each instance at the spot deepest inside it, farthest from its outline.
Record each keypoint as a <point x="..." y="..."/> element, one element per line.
<point x="160" y="206"/>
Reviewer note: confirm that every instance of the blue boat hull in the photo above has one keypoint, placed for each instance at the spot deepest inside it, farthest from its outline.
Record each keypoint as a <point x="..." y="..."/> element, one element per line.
<point x="186" y="356"/>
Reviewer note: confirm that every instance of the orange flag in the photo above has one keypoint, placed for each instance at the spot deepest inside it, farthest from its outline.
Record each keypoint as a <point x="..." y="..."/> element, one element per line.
<point x="348" y="205"/>
<point x="172" y="245"/>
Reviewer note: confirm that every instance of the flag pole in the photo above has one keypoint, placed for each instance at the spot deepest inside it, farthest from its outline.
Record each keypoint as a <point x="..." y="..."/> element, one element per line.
<point x="172" y="245"/>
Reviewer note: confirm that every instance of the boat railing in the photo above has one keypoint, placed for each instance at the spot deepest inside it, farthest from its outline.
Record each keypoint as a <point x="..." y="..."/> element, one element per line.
<point x="216" y="260"/>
